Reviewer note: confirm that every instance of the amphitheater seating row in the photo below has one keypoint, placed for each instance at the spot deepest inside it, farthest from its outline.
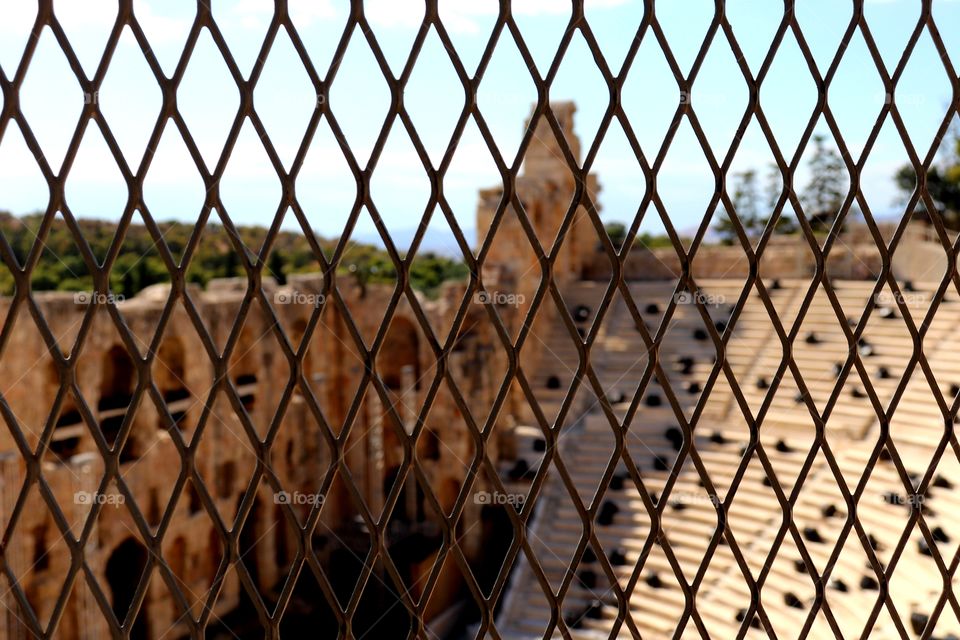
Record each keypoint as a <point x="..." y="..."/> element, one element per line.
<point x="655" y="439"/>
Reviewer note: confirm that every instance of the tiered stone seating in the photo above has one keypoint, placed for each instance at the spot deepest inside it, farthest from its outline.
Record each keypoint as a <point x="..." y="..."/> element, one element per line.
<point x="787" y="434"/>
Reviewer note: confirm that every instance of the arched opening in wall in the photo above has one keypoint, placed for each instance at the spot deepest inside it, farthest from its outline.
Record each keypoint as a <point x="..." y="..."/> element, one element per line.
<point x="69" y="427"/>
<point x="429" y="445"/>
<point x="390" y="432"/>
<point x="177" y="559"/>
<point x="409" y="507"/>
<point x="400" y="510"/>
<point x="290" y="456"/>
<point x="116" y="390"/>
<point x="194" y="502"/>
<point x="448" y="495"/>
<point x="213" y="554"/>
<point x="153" y="507"/>
<point x="68" y="431"/>
<point x="281" y="542"/>
<point x="226" y="475"/>
<point x="535" y="213"/>
<point x="124" y="569"/>
<point x="464" y="340"/>
<point x="497" y="536"/>
<point x="250" y="544"/>
<point x="41" y="549"/>
<point x="243" y="369"/>
<point x="170" y="374"/>
<point x="401" y="349"/>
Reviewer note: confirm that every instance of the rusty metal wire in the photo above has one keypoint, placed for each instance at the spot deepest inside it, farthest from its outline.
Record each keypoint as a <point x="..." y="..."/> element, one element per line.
<point x="585" y="376"/>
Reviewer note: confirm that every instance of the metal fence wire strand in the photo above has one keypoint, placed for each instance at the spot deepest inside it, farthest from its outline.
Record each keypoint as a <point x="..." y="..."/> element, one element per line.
<point x="24" y="308"/>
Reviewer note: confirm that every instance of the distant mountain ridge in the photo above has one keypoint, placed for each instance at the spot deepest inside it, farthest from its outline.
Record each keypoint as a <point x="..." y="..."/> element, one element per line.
<point x="139" y="262"/>
<point x="441" y="243"/>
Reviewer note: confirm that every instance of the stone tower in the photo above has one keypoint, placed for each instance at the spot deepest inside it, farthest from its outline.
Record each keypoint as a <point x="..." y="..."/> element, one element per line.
<point x="546" y="187"/>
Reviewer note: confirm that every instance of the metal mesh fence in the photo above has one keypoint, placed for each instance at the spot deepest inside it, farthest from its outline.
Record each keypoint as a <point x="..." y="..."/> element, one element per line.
<point x="153" y="559"/>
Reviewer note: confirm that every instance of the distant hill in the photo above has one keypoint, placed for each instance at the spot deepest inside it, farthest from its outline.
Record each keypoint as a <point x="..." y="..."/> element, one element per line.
<point x="139" y="263"/>
<point x="441" y="243"/>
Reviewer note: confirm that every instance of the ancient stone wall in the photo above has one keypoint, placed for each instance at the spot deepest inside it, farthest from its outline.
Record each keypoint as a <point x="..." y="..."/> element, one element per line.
<point x="662" y="263"/>
<point x="854" y="256"/>
<point x="227" y="412"/>
<point x="545" y="188"/>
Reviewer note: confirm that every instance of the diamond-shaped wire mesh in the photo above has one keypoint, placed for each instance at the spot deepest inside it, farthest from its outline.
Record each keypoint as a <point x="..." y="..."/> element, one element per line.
<point x="236" y="362"/>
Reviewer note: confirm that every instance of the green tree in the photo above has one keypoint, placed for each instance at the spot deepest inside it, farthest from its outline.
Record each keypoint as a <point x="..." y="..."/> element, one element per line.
<point x="617" y="232"/>
<point x="650" y="241"/>
<point x="276" y="266"/>
<point x="139" y="265"/>
<point x="144" y="276"/>
<point x="745" y="198"/>
<point x="772" y="192"/>
<point x="127" y="284"/>
<point x="826" y="190"/>
<point x="429" y="270"/>
<point x="231" y="264"/>
<point x="943" y="185"/>
<point x="745" y="205"/>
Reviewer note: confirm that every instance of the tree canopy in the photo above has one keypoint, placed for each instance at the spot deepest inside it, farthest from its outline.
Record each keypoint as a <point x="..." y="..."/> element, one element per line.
<point x="139" y="264"/>
<point x="822" y="197"/>
<point x="827" y="188"/>
<point x="753" y="214"/>
<point x="943" y="184"/>
<point x="618" y="235"/>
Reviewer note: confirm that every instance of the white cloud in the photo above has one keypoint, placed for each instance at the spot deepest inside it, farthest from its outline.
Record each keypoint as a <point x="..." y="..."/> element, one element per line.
<point x="16" y="14"/>
<point x="254" y="14"/>
<point x="80" y="14"/>
<point x="307" y="12"/>
<point x="162" y="22"/>
<point x="459" y="16"/>
<point x="160" y="27"/>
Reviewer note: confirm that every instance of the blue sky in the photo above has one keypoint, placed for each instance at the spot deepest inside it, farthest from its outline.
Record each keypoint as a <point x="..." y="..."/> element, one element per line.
<point x="51" y="100"/>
